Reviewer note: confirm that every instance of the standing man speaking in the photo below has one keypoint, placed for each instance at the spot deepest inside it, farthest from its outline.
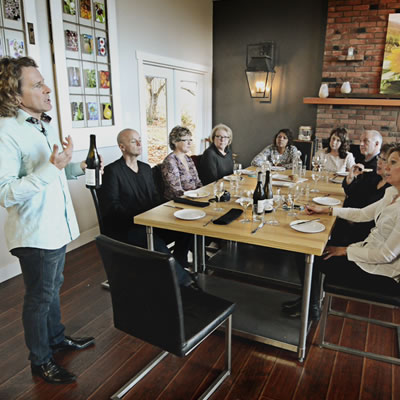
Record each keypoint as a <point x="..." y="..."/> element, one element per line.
<point x="34" y="167"/>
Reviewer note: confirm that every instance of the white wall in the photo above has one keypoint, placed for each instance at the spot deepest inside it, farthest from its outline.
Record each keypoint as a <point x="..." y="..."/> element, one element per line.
<point x="180" y="29"/>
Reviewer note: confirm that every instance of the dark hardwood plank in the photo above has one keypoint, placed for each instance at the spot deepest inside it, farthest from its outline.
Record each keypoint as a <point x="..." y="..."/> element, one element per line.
<point x="259" y="372"/>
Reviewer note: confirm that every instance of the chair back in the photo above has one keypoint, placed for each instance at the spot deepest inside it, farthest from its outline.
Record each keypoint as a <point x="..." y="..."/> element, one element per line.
<point x="97" y="207"/>
<point x="158" y="181"/>
<point x="196" y="161"/>
<point x="145" y="294"/>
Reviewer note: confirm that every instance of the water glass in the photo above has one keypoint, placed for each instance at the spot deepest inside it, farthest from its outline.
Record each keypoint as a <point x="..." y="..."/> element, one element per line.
<point x="246" y="200"/>
<point x="218" y="192"/>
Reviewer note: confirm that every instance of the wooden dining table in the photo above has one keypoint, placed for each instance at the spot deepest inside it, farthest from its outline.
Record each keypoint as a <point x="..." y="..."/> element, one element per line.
<point x="280" y="236"/>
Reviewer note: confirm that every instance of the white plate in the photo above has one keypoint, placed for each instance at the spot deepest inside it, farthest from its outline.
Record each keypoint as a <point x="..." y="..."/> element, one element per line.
<point x="287" y="178"/>
<point x="326" y="201"/>
<point x="231" y="178"/>
<point x="342" y="173"/>
<point x="189" y="214"/>
<point x="282" y="183"/>
<point x="338" y="179"/>
<point x="196" y="194"/>
<point x="310" y="227"/>
<point x="273" y="168"/>
<point x="248" y="172"/>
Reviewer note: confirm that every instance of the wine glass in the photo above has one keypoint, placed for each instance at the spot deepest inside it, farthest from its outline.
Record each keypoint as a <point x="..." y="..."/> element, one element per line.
<point x="315" y="175"/>
<point x="277" y="202"/>
<point x="246" y="200"/>
<point x="218" y="192"/>
<point x="275" y="158"/>
<point x="294" y="194"/>
<point x="237" y="170"/>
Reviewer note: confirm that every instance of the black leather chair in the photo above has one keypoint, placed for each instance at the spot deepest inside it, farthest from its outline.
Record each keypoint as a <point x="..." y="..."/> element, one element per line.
<point x="347" y="290"/>
<point x="158" y="181"/>
<point x="149" y="304"/>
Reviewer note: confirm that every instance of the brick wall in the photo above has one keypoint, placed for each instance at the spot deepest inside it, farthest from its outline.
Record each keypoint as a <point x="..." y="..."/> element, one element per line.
<point x="360" y="24"/>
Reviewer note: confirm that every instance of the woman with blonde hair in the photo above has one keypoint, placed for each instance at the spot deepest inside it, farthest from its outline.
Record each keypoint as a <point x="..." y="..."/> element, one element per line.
<point x="216" y="161"/>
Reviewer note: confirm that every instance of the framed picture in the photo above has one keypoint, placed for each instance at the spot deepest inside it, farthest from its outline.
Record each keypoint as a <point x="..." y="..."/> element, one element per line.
<point x="16" y="48"/>
<point x="71" y="40"/>
<point x="70" y="7"/>
<point x="92" y="111"/>
<point x="87" y="43"/>
<point x="86" y="9"/>
<point x="90" y="78"/>
<point x="390" y="78"/>
<point x="12" y="10"/>
<point x="104" y="79"/>
<point x="101" y="46"/>
<point x="77" y="111"/>
<point x="106" y="111"/>
<point x="100" y="13"/>
<point x="74" y="77"/>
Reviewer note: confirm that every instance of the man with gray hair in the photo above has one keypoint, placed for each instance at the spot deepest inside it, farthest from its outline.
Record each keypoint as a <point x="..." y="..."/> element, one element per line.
<point x="365" y="170"/>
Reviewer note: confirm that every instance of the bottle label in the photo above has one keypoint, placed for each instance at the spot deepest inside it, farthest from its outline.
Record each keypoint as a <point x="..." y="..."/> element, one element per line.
<point x="269" y="203"/>
<point x="260" y="206"/>
<point x="90" y="177"/>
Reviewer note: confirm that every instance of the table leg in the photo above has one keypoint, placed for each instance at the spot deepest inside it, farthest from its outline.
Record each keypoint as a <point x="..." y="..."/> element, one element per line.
<point x="305" y="306"/>
<point x="150" y="240"/>
<point x="203" y="253"/>
<point x="195" y="253"/>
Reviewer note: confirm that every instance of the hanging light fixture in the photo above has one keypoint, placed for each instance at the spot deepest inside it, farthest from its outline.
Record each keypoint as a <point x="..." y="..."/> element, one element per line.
<point x="260" y="70"/>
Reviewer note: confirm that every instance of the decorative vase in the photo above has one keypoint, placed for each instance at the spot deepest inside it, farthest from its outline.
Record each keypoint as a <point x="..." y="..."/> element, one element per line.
<point x="323" y="91"/>
<point x="346" y="88"/>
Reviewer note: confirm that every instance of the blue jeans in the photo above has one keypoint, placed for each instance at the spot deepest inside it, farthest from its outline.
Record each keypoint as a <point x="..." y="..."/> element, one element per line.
<point x="41" y="316"/>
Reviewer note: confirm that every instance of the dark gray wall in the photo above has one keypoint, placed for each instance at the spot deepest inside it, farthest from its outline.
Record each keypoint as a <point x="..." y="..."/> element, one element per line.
<point x="298" y="29"/>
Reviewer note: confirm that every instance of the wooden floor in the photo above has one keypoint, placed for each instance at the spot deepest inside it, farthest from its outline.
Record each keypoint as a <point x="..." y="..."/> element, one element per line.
<point x="259" y="372"/>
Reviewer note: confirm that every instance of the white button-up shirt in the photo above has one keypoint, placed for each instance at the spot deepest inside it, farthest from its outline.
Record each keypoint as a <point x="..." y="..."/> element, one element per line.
<point x="33" y="190"/>
<point x="379" y="252"/>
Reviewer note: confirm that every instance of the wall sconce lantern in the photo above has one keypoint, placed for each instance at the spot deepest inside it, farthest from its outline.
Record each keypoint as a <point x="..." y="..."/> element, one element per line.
<point x="260" y="70"/>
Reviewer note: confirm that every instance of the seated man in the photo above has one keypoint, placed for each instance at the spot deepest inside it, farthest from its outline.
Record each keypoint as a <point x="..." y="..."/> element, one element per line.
<point x="127" y="190"/>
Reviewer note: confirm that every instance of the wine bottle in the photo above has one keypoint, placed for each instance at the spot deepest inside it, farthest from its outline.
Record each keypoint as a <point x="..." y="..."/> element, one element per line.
<point x="92" y="171"/>
<point x="259" y="198"/>
<point x="269" y="195"/>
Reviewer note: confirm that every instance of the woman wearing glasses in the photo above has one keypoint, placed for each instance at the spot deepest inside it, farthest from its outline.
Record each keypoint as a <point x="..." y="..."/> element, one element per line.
<point x="216" y="161"/>
<point x="178" y="170"/>
<point x="283" y="144"/>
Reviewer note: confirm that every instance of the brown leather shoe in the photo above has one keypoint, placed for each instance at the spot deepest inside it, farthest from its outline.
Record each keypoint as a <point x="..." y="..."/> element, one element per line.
<point x="53" y="373"/>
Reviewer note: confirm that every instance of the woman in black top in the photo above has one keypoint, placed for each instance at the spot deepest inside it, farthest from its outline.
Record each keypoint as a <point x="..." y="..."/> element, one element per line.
<point x="364" y="189"/>
<point x="216" y="161"/>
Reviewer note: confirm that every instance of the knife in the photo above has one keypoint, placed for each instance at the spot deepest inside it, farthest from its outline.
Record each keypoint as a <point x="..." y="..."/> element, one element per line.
<point x="306" y="222"/>
<point x="168" y="205"/>
<point x="258" y="227"/>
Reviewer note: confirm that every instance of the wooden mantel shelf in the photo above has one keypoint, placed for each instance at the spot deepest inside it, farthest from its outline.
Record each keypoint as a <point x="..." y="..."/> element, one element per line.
<point x="351" y="101"/>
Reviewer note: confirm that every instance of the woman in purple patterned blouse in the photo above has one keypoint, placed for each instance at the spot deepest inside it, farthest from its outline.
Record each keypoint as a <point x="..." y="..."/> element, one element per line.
<point x="178" y="170"/>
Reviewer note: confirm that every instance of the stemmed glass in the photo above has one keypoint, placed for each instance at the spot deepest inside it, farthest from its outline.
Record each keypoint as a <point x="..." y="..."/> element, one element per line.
<point x="246" y="200"/>
<point x="277" y="202"/>
<point x="218" y="192"/>
<point x="237" y="170"/>
<point x="275" y="157"/>
<point x="293" y="195"/>
<point x="315" y="175"/>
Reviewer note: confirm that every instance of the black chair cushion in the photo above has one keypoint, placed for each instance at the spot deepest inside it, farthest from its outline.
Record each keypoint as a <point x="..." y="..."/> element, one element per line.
<point x="391" y="296"/>
<point x="202" y="312"/>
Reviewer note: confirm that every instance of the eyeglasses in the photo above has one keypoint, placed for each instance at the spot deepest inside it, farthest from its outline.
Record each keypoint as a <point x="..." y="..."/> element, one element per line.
<point x="222" y="137"/>
<point x="186" y="140"/>
<point x="382" y="159"/>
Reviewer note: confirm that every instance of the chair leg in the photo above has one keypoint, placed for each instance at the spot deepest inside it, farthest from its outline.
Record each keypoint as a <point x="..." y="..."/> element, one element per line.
<point x="228" y="362"/>
<point x="129" y="385"/>
<point x="325" y="311"/>
<point x="105" y="285"/>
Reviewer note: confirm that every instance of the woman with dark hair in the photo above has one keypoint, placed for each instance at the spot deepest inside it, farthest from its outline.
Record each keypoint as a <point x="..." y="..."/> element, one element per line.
<point x="178" y="169"/>
<point x="283" y="144"/>
<point x="337" y="156"/>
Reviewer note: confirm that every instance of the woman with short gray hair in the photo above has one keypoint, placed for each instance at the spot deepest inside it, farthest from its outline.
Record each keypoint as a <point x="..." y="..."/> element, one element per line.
<point x="178" y="169"/>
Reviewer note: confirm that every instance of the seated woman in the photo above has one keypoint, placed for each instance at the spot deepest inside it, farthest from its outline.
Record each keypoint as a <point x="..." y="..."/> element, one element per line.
<point x="337" y="157"/>
<point x="361" y="192"/>
<point x="216" y="161"/>
<point x="283" y="144"/>
<point x="375" y="262"/>
<point x="178" y="169"/>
